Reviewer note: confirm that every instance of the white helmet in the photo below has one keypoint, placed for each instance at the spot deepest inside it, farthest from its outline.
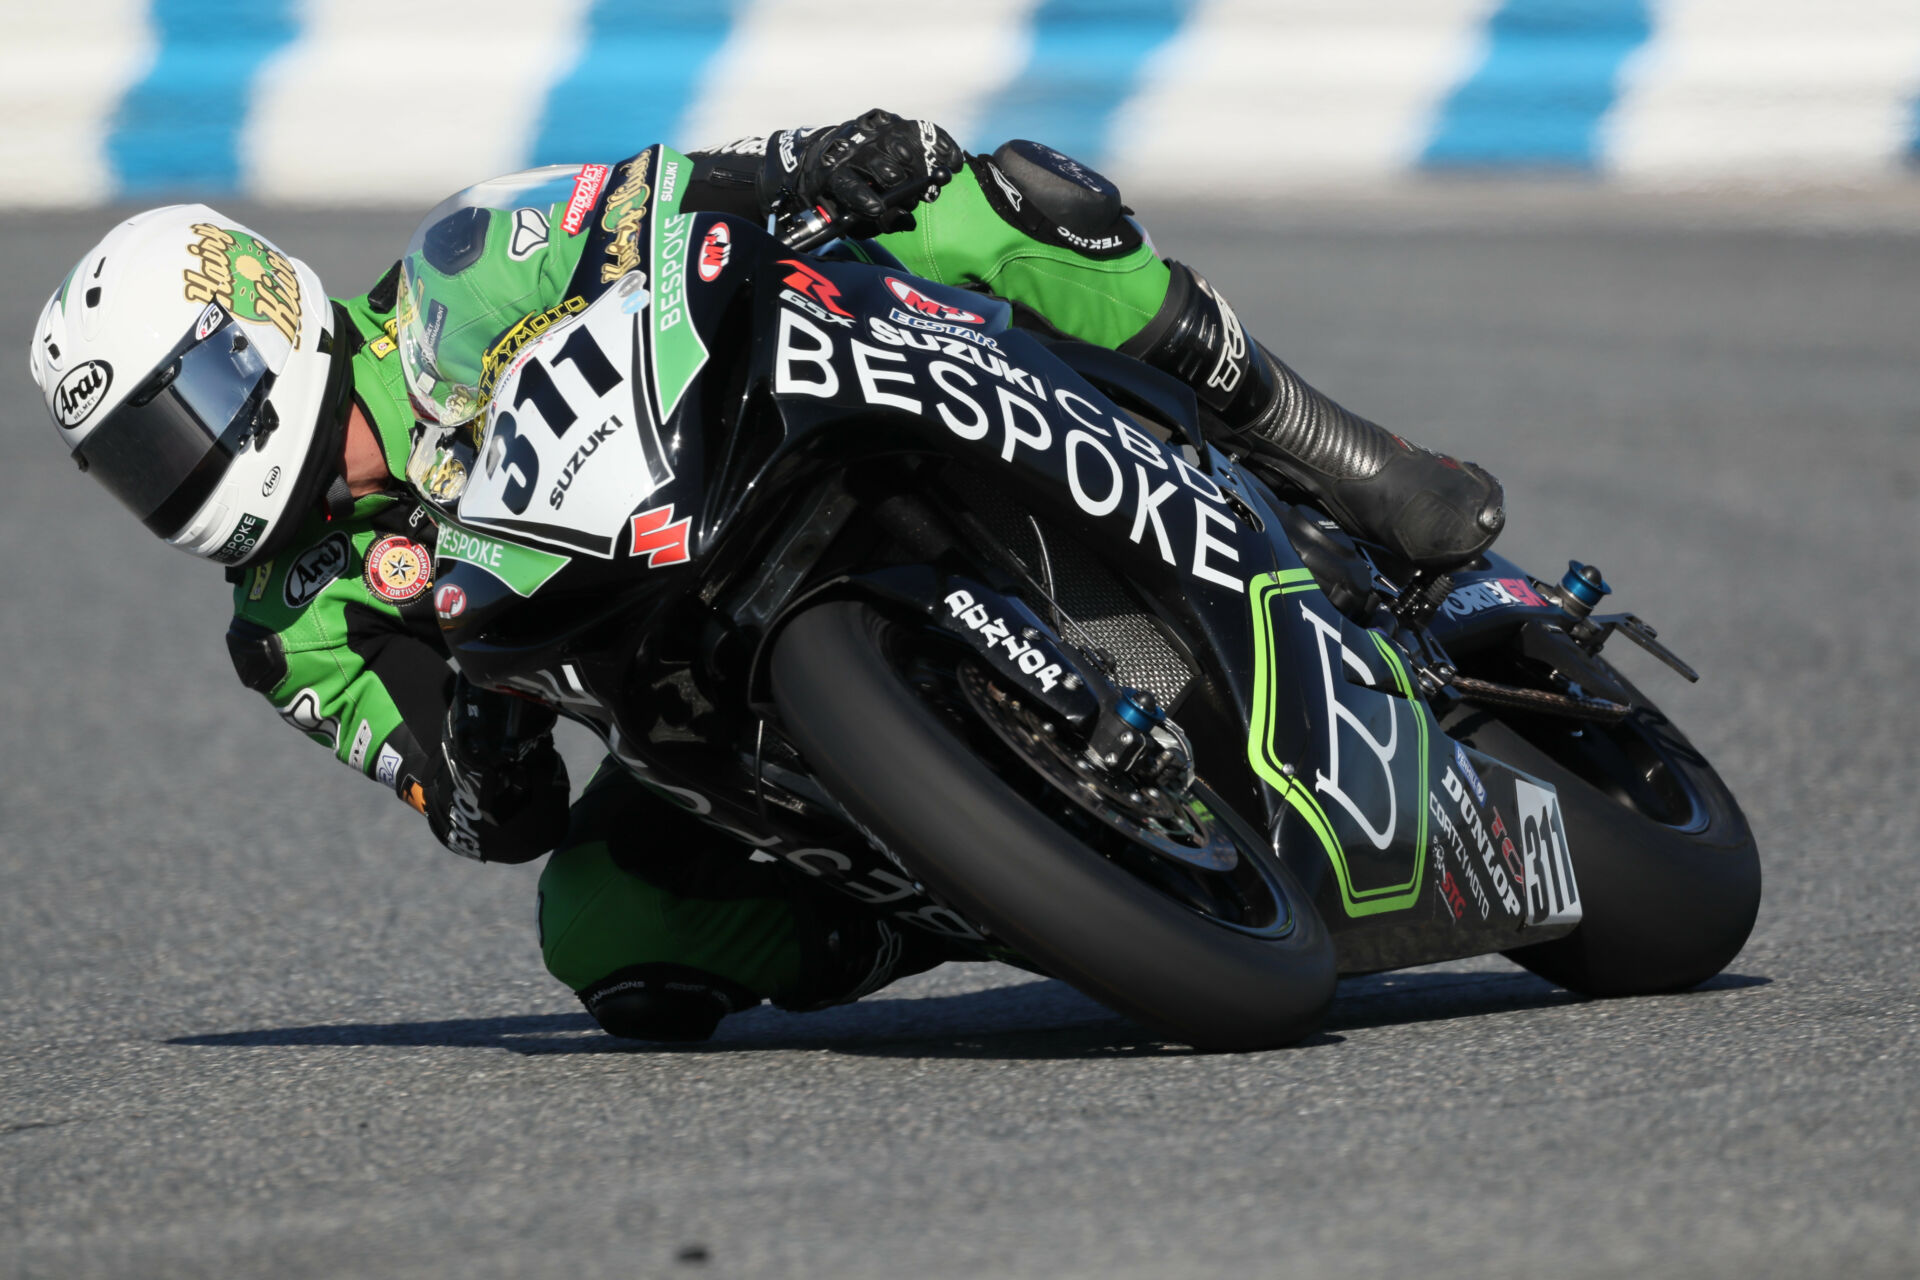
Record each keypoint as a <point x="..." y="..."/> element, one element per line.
<point x="193" y="369"/>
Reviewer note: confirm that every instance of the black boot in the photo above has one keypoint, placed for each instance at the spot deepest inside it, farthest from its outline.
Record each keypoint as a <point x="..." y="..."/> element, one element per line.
<point x="847" y="953"/>
<point x="1425" y="507"/>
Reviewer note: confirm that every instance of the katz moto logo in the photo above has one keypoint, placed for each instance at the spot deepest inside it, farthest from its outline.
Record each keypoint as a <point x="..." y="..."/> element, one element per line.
<point x="1493" y="593"/>
<point x="659" y="537"/>
<point x="586" y="189"/>
<point x="914" y="299"/>
<point x="449" y="601"/>
<point x="81" y="392"/>
<point x="715" y="252"/>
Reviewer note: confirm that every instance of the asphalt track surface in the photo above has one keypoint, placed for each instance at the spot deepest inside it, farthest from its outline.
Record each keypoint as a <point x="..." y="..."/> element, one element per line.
<point x="253" y="1021"/>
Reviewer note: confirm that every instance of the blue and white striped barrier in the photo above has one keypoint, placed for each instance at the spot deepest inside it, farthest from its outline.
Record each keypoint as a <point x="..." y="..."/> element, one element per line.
<point x="368" y="101"/>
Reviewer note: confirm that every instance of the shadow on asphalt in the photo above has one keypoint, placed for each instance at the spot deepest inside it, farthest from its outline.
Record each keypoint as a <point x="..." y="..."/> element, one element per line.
<point x="1030" y="1020"/>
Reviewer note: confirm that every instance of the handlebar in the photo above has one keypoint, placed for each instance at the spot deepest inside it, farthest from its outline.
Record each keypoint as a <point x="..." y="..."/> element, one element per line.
<point x="807" y="229"/>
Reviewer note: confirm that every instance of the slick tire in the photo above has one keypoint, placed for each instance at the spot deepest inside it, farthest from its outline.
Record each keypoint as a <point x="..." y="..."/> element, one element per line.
<point x="908" y="777"/>
<point x="1667" y="904"/>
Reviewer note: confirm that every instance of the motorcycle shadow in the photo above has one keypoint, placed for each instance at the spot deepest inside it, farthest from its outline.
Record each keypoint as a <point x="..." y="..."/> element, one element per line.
<point x="1027" y="1020"/>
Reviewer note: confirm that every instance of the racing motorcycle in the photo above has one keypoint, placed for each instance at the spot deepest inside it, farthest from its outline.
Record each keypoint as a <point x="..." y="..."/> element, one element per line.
<point x="974" y="623"/>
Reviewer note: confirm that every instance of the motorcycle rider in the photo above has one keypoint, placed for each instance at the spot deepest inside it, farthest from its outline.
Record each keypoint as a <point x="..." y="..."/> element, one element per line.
<point x="204" y="377"/>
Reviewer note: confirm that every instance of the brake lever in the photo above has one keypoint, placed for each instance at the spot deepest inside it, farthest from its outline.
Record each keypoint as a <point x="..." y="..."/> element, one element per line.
<point x="811" y="228"/>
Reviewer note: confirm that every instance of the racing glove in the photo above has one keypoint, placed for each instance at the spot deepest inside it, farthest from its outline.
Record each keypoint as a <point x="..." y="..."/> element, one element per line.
<point x="506" y="786"/>
<point x="854" y="165"/>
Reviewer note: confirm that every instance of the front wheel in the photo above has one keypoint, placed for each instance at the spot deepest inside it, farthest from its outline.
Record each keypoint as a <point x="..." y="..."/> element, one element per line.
<point x="1222" y="952"/>
<point x="1668" y="871"/>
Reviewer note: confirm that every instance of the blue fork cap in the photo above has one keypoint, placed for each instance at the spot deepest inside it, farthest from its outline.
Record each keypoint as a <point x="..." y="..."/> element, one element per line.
<point x="1584" y="583"/>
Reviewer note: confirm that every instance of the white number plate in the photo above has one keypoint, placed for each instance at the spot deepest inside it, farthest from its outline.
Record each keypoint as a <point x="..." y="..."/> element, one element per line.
<point x="570" y="451"/>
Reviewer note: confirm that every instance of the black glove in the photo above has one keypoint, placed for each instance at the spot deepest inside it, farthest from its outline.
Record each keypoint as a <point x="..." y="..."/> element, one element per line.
<point x="506" y="786"/>
<point x="853" y="165"/>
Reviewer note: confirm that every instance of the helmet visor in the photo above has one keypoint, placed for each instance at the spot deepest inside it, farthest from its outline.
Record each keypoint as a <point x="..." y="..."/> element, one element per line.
<point x="165" y="450"/>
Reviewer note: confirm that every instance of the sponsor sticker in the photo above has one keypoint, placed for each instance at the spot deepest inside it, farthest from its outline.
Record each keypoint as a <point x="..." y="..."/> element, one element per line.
<point x="450" y="601"/>
<point x="715" y="252"/>
<point x="271" y="483"/>
<point x="1467" y="772"/>
<point x="210" y="319"/>
<point x="626" y="210"/>
<point x="81" y="392"/>
<point x="1492" y="593"/>
<point x="398" y="569"/>
<point x="254" y="282"/>
<point x="386" y="766"/>
<point x="995" y="631"/>
<point x="586" y="189"/>
<point x="659" y="537"/>
<point x="913" y="299"/>
<point x="262" y="574"/>
<point x="314" y="568"/>
<point x="362" y="739"/>
<point x="241" y="542"/>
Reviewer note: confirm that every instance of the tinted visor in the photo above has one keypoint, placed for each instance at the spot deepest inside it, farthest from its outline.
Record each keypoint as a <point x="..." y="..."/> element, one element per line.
<point x="165" y="450"/>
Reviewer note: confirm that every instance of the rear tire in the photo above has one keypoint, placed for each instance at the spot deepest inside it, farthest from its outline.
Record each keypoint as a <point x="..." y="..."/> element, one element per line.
<point x="1668" y="871"/>
<point x="904" y="771"/>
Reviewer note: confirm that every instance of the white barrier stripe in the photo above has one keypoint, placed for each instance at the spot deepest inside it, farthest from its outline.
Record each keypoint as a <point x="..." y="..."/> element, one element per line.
<point x="63" y="70"/>
<point x="783" y="66"/>
<point x="1771" y="89"/>
<point x="380" y="101"/>
<point x="1264" y="94"/>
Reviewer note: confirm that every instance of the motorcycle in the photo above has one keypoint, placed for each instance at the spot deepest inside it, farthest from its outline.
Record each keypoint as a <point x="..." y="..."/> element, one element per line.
<point x="977" y="625"/>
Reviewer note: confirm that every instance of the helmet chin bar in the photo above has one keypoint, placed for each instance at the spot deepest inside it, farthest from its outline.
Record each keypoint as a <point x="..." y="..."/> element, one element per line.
<point x="323" y="469"/>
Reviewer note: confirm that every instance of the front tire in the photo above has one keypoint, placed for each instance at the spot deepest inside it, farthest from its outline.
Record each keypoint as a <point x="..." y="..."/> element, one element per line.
<point x="1668" y="871"/>
<point x="905" y="772"/>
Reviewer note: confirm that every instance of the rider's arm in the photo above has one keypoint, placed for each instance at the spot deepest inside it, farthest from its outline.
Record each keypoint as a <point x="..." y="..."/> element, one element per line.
<point x="366" y="678"/>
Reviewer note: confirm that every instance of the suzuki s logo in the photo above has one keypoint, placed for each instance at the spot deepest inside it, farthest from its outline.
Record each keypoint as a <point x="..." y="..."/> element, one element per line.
<point x="81" y="392"/>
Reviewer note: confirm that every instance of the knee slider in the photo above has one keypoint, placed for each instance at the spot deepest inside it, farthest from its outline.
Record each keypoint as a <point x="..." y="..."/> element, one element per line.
<point x="668" y="1002"/>
<point x="1056" y="199"/>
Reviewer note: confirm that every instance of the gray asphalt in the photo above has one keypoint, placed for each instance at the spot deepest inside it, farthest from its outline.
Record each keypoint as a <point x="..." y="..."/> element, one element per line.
<point x="253" y="1021"/>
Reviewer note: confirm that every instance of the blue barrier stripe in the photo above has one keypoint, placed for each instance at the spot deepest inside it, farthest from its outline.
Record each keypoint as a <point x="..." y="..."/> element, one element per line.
<point x="635" y="80"/>
<point x="178" y="129"/>
<point x="1550" y="76"/>
<point x="1086" y="61"/>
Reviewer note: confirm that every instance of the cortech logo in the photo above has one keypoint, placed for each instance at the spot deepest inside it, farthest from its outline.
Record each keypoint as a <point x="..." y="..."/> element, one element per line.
<point x="81" y="392"/>
<point x="245" y="276"/>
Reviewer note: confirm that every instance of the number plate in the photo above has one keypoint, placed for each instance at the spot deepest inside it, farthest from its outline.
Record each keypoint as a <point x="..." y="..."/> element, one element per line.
<point x="570" y="451"/>
<point x="1553" y="896"/>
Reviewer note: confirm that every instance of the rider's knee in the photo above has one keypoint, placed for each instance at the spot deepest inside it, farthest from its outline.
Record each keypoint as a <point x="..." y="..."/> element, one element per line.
<point x="1057" y="200"/>
<point x="663" y="1002"/>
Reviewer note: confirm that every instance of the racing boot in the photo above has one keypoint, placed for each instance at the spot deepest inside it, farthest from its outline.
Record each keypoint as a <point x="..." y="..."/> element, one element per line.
<point x="848" y="953"/>
<point x="1431" y="510"/>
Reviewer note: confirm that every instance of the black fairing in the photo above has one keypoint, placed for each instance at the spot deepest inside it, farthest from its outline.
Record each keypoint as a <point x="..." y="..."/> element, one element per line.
<point x="832" y="387"/>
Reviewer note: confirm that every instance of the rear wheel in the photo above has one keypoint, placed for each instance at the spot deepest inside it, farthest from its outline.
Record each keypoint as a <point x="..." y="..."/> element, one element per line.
<point x="1668" y="871"/>
<point x="1173" y="912"/>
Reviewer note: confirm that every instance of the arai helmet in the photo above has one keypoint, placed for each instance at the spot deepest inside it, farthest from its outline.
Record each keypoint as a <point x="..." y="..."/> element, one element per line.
<point x="193" y="369"/>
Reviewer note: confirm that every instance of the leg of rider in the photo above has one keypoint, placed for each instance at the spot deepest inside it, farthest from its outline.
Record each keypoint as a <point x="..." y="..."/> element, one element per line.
<point x="1042" y="230"/>
<point x="663" y="926"/>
